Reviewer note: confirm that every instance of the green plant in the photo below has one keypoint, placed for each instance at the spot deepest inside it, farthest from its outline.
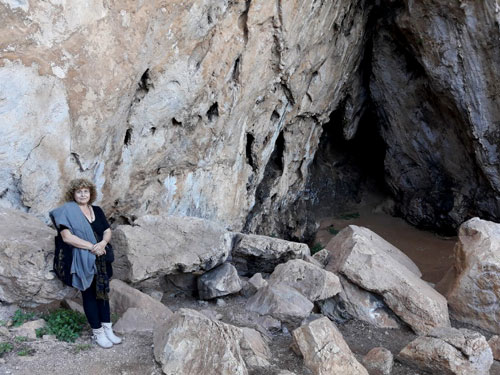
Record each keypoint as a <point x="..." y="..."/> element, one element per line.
<point x="25" y="351"/>
<point x="66" y="325"/>
<point x="21" y="317"/>
<point x="81" y="347"/>
<point x="5" y="347"/>
<point x="332" y="230"/>
<point x="21" y="338"/>
<point x="114" y="317"/>
<point x="316" y="247"/>
<point x="350" y="216"/>
<point x="3" y="323"/>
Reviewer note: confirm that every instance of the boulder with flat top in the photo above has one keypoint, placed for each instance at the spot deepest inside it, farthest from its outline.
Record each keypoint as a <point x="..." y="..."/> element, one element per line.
<point x="156" y="246"/>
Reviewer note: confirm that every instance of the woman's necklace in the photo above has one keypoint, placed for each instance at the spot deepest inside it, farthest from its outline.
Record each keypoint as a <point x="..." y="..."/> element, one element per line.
<point x="89" y="214"/>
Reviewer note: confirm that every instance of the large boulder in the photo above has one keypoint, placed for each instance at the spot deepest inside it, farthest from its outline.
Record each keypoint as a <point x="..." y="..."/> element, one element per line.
<point x="449" y="351"/>
<point x="494" y="344"/>
<point x="324" y="349"/>
<point x="311" y="281"/>
<point x="26" y="256"/>
<point x="138" y="311"/>
<point x="355" y="302"/>
<point x="161" y="245"/>
<point x="192" y="343"/>
<point x="253" y="253"/>
<point x="219" y="282"/>
<point x="368" y="261"/>
<point x="473" y="284"/>
<point x="281" y="302"/>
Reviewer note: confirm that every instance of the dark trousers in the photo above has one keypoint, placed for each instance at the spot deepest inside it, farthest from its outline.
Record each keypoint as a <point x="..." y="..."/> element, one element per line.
<point x="96" y="310"/>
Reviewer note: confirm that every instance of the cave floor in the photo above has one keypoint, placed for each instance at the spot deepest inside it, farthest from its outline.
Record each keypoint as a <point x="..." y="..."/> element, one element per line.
<point x="432" y="253"/>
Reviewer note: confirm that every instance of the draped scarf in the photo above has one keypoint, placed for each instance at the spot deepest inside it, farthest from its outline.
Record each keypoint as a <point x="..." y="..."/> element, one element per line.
<point x="85" y="264"/>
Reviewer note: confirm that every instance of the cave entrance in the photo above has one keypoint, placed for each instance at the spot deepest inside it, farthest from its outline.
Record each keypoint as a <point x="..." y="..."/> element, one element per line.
<point x="347" y="173"/>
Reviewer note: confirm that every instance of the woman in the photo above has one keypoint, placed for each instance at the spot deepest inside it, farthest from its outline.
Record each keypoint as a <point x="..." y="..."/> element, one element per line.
<point x="83" y="233"/>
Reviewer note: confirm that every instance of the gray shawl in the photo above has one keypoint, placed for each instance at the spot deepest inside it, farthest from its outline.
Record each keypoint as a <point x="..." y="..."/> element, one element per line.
<point x="83" y="266"/>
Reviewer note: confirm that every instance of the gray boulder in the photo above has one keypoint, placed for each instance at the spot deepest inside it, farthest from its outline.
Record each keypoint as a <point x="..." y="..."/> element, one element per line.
<point x="253" y="253"/>
<point x="219" y="282"/>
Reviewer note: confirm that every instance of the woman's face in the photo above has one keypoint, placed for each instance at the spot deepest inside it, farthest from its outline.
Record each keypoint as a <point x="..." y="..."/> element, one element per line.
<point x="82" y="196"/>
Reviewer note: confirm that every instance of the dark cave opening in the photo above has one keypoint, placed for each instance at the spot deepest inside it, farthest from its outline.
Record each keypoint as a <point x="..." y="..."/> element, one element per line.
<point x="344" y="170"/>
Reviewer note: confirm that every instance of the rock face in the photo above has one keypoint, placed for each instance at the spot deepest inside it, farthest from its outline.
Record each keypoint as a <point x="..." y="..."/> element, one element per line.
<point x="433" y="73"/>
<point x="449" y="351"/>
<point x="372" y="267"/>
<point x="310" y="280"/>
<point x="161" y="245"/>
<point x="216" y="109"/>
<point x="253" y="253"/>
<point x="219" y="282"/>
<point x="474" y="290"/>
<point x="26" y="256"/>
<point x="281" y="302"/>
<point x="173" y="109"/>
<point x="191" y="343"/>
<point x="324" y="349"/>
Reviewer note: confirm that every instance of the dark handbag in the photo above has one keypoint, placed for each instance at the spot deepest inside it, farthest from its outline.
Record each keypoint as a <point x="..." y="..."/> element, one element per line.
<point x="110" y="254"/>
<point x="63" y="257"/>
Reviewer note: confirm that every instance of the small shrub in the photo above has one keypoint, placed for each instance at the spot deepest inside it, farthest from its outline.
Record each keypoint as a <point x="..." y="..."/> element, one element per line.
<point x="21" y="317"/>
<point x="350" y="216"/>
<point x="25" y="351"/>
<point x="3" y="323"/>
<point x="332" y="230"/>
<point x="66" y="325"/>
<point x="5" y="347"/>
<point x="316" y="247"/>
<point x="21" y="338"/>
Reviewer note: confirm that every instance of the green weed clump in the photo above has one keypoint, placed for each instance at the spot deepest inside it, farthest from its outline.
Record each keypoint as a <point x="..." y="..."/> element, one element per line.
<point x="66" y="325"/>
<point x="20" y="317"/>
<point x="316" y="247"/>
<point x="350" y="216"/>
<point x="25" y="351"/>
<point x="5" y="347"/>
<point x="332" y="230"/>
<point x="81" y="347"/>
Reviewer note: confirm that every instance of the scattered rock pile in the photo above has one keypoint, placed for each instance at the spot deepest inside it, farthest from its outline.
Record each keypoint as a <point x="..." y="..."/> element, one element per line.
<point x="359" y="276"/>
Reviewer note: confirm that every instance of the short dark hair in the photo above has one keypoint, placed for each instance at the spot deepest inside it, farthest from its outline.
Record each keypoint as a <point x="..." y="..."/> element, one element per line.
<point x="77" y="184"/>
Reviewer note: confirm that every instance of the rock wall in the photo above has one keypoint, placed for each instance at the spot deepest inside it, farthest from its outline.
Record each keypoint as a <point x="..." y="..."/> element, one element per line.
<point x="215" y="108"/>
<point x="202" y="108"/>
<point x="435" y="84"/>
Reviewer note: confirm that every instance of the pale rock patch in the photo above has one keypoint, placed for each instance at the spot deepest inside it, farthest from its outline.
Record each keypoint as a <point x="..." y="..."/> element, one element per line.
<point x="310" y="280"/>
<point x="370" y="262"/>
<point x="220" y="281"/>
<point x="280" y="301"/>
<point x="325" y="350"/>
<point x="449" y="351"/>
<point x="136" y="320"/>
<point x="191" y="343"/>
<point x="473" y="284"/>
<point x="253" y="253"/>
<point x="123" y="297"/>
<point x="378" y="361"/>
<point x="161" y="245"/>
<point x="28" y="329"/>
<point x="26" y="259"/>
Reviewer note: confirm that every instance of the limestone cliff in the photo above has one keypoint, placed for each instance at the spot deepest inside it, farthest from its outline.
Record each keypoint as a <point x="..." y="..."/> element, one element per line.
<point x="215" y="108"/>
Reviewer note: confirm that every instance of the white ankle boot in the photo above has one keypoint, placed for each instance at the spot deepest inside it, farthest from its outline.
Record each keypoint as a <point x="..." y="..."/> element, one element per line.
<point x="110" y="334"/>
<point x="100" y="338"/>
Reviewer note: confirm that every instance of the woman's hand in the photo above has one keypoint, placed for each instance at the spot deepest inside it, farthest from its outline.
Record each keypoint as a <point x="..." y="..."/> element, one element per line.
<point x="99" y="248"/>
